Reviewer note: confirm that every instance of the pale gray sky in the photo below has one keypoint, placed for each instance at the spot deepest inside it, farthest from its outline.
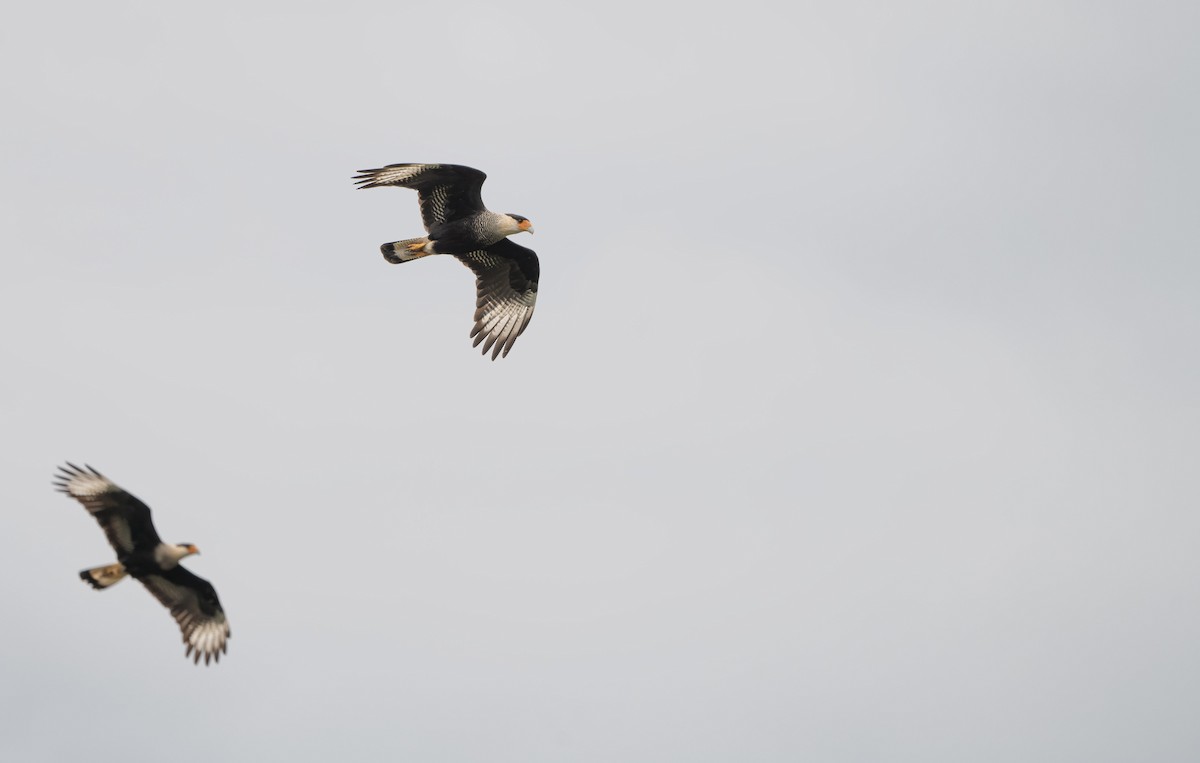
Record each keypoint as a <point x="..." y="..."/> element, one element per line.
<point x="857" y="421"/>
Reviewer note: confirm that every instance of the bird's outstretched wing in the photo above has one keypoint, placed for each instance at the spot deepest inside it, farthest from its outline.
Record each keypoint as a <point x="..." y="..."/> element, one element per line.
<point x="446" y="191"/>
<point x="125" y="519"/>
<point x="507" y="284"/>
<point x="193" y="603"/>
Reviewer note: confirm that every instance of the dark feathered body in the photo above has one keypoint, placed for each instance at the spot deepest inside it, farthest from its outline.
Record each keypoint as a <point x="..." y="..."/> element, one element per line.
<point x="466" y="234"/>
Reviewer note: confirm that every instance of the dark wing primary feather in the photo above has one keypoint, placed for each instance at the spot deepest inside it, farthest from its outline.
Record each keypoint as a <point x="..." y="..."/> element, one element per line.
<point x="446" y="191"/>
<point x="194" y="605"/>
<point x="125" y="519"/>
<point x="507" y="283"/>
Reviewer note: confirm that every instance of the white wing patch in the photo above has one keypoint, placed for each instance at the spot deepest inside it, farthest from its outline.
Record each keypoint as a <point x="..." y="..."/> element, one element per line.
<point x="84" y="485"/>
<point x="208" y="638"/>
<point x="205" y="635"/>
<point x="106" y="501"/>
<point x="502" y="322"/>
<point x="502" y="313"/>
<point x="397" y="175"/>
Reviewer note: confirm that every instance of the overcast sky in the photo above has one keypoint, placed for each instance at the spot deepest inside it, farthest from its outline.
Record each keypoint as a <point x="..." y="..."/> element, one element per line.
<point x="857" y="421"/>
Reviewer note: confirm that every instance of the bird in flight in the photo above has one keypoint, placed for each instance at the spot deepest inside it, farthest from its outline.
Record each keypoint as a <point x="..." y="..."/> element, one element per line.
<point x="457" y="223"/>
<point x="142" y="554"/>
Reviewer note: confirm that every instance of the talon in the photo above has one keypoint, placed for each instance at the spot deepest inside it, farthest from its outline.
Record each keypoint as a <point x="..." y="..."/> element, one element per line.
<point x="417" y="246"/>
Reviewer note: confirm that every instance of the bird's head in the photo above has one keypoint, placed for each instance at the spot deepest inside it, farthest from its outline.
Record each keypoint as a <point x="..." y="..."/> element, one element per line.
<point x="186" y="549"/>
<point x="523" y="224"/>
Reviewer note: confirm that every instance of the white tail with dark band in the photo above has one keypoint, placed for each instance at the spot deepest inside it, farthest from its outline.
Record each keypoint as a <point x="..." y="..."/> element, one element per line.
<point x="406" y="250"/>
<point x="103" y="577"/>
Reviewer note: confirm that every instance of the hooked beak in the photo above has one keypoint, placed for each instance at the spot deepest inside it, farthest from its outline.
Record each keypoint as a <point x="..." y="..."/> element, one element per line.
<point x="526" y="226"/>
<point x="194" y="550"/>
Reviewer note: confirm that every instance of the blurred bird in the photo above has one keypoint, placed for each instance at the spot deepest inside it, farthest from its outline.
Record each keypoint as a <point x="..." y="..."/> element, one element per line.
<point x="141" y="554"/>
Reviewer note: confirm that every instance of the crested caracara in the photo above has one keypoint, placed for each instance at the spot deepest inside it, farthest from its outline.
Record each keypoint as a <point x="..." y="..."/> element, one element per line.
<point x="457" y="223"/>
<point x="142" y="554"/>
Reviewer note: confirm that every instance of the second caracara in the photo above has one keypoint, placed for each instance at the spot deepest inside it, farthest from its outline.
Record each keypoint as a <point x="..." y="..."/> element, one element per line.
<point x="457" y="223"/>
<point x="142" y="555"/>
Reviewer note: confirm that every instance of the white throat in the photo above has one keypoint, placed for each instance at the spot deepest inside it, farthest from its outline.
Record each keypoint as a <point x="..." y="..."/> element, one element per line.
<point x="504" y="224"/>
<point x="167" y="555"/>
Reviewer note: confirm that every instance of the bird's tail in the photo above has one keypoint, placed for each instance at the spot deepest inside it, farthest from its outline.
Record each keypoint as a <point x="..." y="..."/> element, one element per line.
<point x="406" y="250"/>
<point x="103" y="577"/>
